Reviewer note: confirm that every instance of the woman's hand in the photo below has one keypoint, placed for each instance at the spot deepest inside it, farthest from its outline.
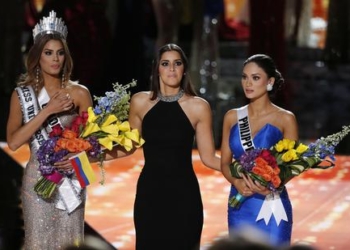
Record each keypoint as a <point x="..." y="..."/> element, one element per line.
<point x="242" y="187"/>
<point x="255" y="186"/>
<point x="65" y="163"/>
<point x="59" y="102"/>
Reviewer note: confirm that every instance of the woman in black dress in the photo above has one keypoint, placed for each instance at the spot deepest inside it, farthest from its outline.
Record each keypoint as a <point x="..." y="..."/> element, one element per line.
<point x="168" y="211"/>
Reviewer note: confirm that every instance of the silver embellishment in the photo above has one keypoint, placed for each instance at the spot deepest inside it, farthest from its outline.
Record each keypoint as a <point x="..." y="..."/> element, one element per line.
<point x="50" y="25"/>
<point x="171" y="98"/>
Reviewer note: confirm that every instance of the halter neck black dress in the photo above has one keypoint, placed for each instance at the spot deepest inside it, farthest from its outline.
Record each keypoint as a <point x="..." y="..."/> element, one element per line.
<point x="168" y="210"/>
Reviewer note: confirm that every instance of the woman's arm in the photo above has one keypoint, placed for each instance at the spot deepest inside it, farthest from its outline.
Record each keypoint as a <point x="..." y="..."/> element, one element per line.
<point x="17" y="133"/>
<point x="204" y="135"/>
<point x="290" y="126"/>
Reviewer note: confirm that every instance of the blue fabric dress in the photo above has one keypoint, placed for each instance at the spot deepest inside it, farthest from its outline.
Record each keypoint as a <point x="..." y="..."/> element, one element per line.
<point x="248" y="212"/>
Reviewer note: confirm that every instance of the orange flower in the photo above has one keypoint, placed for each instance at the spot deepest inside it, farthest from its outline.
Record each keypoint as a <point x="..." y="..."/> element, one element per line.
<point x="260" y="162"/>
<point x="73" y="145"/>
<point x="69" y="134"/>
<point x="266" y="177"/>
<point x="82" y="145"/>
<point x="61" y="144"/>
<point x="276" y="181"/>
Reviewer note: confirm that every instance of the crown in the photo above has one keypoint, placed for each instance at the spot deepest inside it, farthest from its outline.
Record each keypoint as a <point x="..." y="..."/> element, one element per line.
<point x="50" y="25"/>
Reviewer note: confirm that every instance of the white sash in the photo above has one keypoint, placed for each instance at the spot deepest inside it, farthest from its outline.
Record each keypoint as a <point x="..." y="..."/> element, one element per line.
<point x="30" y="108"/>
<point x="69" y="189"/>
<point x="272" y="204"/>
<point x="244" y="128"/>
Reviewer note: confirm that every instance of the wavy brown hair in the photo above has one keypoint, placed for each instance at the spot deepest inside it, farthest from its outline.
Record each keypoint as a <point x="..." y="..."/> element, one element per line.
<point x="33" y="58"/>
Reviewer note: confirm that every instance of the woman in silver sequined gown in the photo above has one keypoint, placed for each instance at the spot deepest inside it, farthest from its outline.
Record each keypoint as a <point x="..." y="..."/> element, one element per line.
<point x="49" y="66"/>
<point x="47" y="227"/>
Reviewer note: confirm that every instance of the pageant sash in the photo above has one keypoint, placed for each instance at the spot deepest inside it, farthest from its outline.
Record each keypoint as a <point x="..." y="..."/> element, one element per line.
<point x="244" y="128"/>
<point x="272" y="204"/>
<point x="30" y="108"/>
<point x="69" y="191"/>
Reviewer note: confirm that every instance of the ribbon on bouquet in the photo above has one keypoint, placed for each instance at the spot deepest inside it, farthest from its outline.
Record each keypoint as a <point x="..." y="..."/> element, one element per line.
<point x="69" y="195"/>
<point x="70" y="189"/>
<point x="272" y="205"/>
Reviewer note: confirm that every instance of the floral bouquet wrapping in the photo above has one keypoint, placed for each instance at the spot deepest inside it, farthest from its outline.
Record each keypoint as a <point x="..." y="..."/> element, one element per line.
<point x="274" y="167"/>
<point x="100" y="128"/>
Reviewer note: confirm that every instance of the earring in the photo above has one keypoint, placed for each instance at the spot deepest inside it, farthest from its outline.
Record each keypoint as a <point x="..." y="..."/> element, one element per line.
<point x="63" y="85"/>
<point x="37" y="72"/>
<point x="269" y="86"/>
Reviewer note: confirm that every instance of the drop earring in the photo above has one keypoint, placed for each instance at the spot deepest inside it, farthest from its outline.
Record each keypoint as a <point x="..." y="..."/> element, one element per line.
<point x="37" y="72"/>
<point x="269" y="86"/>
<point x="63" y="85"/>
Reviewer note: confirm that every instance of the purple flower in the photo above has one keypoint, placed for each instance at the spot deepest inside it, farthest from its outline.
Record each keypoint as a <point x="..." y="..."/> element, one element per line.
<point x="247" y="159"/>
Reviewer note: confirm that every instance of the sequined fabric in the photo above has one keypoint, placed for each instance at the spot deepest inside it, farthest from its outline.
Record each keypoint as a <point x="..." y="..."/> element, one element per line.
<point x="47" y="227"/>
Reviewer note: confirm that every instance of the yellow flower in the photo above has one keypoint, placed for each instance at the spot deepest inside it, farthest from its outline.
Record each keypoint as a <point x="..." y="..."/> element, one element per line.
<point x="107" y="142"/>
<point x="289" y="155"/>
<point x="90" y="129"/>
<point x="112" y="129"/>
<point x="125" y="126"/>
<point x="134" y="135"/>
<point x="279" y="146"/>
<point x="288" y="144"/>
<point x="110" y="119"/>
<point x="284" y="144"/>
<point x="301" y="148"/>
<point x="91" y="115"/>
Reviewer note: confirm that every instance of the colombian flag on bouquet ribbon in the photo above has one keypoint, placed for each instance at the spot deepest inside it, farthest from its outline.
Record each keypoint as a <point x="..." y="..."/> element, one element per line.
<point x="83" y="169"/>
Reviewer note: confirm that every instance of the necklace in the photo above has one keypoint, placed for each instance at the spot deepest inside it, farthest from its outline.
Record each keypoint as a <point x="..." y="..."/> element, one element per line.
<point x="171" y="98"/>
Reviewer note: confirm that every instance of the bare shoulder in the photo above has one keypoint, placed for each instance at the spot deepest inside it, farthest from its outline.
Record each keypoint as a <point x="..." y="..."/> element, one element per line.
<point x="140" y="98"/>
<point x="197" y="103"/>
<point x="77" y="88"/>
<point x="286" y="115"/>
<point x="231" y="116"/>
<point x="141" y="103"/>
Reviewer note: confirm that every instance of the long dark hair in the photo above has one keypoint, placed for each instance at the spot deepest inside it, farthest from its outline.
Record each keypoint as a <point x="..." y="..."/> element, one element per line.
<point x="185" y="84"/>
<point x="268" y="65"/>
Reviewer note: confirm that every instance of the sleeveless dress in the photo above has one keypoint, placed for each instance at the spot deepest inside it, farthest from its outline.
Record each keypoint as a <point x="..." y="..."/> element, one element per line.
<point x="278" y="235"/>
<point x="47" y="227"/>
<point x="168" y="210"/>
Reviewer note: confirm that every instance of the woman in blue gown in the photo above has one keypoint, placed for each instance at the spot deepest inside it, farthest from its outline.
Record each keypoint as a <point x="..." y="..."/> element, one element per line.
<point x="260" y="124"/>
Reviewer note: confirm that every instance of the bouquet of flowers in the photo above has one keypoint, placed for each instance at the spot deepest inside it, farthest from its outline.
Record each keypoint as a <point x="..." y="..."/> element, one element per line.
<point x="101" y="127"/>
<point x="60" y="143"/>
<point x="274" y="167"/>
<point x="107" y="120"/>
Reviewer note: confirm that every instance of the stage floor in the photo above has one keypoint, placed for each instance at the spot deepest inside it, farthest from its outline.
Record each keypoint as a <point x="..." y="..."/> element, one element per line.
<point x="320" y="199"/>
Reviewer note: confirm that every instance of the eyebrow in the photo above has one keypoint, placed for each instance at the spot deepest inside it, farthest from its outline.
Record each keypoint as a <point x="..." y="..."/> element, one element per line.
<point x="53" y="50"/>
<point x="167" y="60"/>
<point x="251" y="74"/>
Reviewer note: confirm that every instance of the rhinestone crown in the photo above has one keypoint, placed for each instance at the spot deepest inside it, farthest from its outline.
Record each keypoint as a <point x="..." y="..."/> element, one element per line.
<point x="50" y="25"/>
